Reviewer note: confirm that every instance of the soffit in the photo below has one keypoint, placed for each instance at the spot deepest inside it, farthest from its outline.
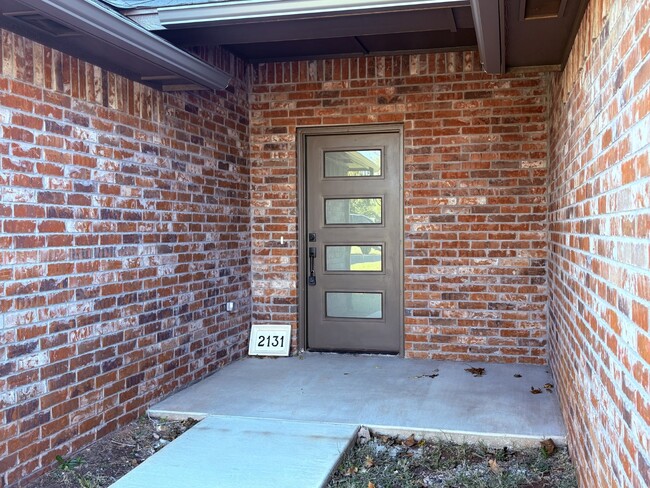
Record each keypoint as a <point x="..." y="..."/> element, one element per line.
<point x="509" y="33"/>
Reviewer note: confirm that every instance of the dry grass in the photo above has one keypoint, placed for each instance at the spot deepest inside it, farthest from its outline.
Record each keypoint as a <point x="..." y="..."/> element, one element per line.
<point x="387" y="462"/>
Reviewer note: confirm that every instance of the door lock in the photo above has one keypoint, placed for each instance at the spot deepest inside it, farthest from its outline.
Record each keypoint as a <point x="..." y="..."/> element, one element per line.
<point x="311" y="237"/>
<point x="312" y="259"/>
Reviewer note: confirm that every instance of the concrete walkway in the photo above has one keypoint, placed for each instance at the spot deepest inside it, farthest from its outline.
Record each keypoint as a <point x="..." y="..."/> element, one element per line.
<point x="238" y="452"/>
<point x="255" y="405"/>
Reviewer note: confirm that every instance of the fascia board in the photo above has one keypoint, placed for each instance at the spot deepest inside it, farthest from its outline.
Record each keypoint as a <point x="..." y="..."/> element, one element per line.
<point x="103" y="23"/>
<point x="249" y="11"/>
<point x="490" y="33"/>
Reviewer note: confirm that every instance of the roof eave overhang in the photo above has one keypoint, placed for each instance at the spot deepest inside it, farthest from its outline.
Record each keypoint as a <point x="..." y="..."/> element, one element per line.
<point x="488" y="17"/>
<point x="122" y="35"/>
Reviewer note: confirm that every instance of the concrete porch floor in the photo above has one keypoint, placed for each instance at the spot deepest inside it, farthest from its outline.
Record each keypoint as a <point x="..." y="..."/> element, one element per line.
<point x="383" y="392"/>
<point x="286" y="422"/>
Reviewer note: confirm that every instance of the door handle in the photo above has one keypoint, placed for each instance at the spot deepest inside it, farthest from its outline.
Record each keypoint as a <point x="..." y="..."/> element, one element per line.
<point x="312" y="259"/>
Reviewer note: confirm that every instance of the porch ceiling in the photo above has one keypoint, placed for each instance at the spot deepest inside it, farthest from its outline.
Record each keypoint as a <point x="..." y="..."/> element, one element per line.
<point x="509" y="33"/>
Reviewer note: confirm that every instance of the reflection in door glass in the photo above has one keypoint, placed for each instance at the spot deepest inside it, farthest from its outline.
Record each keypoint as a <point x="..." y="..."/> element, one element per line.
<point x="353" y="258"/>
<point x="353" y="211"/>
<point x="353" y="305"/>
<point x="352" y="163"/>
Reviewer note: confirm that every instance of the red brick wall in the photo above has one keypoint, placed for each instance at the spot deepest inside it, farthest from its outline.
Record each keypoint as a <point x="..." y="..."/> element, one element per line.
<point x="124" y="222"/>
<point x="599" y="268"/>
<point x="475" y="193"/>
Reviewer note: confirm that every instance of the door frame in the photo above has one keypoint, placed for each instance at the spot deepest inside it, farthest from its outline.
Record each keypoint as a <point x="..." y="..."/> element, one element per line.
<point x="302" y="134"/>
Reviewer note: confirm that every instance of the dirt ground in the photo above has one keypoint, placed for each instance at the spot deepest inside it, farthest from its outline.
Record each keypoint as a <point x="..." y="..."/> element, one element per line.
<point x="110" y="458"/>
<point x="374" y="462"/>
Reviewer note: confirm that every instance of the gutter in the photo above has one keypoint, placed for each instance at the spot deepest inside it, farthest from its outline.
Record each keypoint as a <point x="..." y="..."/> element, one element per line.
<point x="246" y="11"/>
<point x="116" y="31"/>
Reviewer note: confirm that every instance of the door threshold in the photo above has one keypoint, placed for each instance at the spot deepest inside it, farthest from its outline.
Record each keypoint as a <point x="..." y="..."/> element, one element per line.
<point x="350" y="353"/>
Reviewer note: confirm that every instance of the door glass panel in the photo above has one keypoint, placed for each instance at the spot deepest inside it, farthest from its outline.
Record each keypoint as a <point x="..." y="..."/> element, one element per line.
<point x="353" y="258"/>
<point x="353" y="305"/>
<point x="354" y="211"/>
<point x="352" y="163"/>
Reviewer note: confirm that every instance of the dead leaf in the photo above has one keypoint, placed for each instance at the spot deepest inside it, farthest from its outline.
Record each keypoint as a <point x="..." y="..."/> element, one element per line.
<point x="517" y="375"/>
<point x="548" y="446"/>
<point x="494" y="466"/>
<point x="410" y="442"/>
<point x="476" y="371"/>
<point x="351" y="470"/>
<point x="535" y="391"/>
<point x="369" y="462"/>
<point x="189" y="422"/>
<point x="388" y="440"/>
<point x="549" y="387"/>
<point x="371" y="484"/>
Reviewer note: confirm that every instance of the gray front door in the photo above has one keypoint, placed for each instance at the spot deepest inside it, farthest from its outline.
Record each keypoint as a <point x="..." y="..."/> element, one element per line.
<point x="353" y="255"/>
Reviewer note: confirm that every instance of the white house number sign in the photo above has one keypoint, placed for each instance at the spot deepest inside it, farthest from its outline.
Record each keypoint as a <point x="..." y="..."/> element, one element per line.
<point x="269" y="340"/>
